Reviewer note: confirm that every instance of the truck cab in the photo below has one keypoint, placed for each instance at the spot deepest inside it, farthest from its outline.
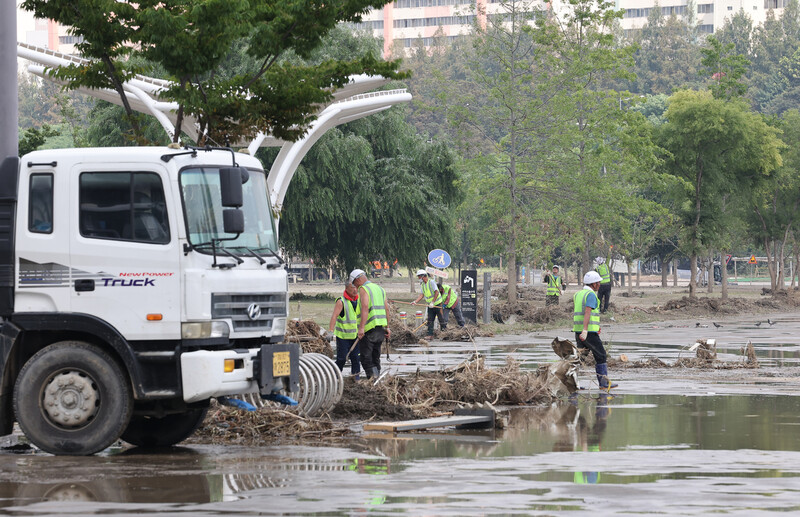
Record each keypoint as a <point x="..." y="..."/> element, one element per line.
<point x="136" y="284"/>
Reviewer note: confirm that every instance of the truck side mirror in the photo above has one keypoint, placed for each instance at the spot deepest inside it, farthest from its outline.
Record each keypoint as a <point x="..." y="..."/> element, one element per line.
<point x="230" y="185"/>
<point x="232" y="220"/>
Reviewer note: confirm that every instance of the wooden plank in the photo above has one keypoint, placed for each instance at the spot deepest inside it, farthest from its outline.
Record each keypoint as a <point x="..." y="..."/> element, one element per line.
<point x="425" y="423"/>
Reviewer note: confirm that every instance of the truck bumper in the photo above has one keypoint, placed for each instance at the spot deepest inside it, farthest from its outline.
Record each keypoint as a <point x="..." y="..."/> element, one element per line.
<point x="265" y="369"/>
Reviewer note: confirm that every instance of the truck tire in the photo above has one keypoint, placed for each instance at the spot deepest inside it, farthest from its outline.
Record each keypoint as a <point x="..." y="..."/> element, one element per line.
<point x="148" y="431"/>
<point x="72" y="398"/>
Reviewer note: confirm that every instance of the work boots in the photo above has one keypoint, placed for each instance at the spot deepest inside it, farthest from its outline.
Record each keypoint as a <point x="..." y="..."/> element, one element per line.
<point x="372" y="372"/>
<point x="602" y="377"/>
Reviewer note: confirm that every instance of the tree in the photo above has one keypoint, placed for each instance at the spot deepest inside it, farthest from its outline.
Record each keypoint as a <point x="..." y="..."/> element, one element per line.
<point x="369" y="189"/>
<point x="775" y="201"/>
<point x="33" y="138"/>
<point x="714" y="147"/>
<point x="190" y="39"/>
<point x="725" y="68"/>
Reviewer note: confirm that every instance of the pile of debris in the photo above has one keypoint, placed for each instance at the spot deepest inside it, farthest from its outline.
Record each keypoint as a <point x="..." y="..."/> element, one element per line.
<point x="309" y="334"/>
<point x="225" y="424"/>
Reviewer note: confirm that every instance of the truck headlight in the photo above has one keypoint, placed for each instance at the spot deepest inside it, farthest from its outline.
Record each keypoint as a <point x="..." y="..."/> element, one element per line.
<point x="279" y="326"/>
<point x="204" y="330"/>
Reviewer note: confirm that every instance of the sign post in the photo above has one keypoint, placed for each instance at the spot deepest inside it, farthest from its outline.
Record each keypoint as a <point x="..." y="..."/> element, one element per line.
<point x="469" y="295"/>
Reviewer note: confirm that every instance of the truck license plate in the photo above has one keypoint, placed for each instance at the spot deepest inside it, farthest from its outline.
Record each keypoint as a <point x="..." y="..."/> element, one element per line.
<point x="281" y="364"/>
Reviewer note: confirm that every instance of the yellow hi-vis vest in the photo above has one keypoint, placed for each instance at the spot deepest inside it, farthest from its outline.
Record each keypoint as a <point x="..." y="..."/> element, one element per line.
<point x="347" y="325"/>
<point x="453" y="296"/>
<point x="432" y="294"/>
<point x="376" y="312"/>
<point x="605" y="274"/>
<point x="580" y="308"/>
<point x="553" y="283"/>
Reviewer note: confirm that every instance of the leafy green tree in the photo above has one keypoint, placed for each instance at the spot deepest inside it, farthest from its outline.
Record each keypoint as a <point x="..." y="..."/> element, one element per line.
<point x="724" y="67"/>
<point x="714" y="147"/>
<point x="33" y="138"/>
<point x="667" y="56"/>
<point x="775" y="201"/>
<point x="190" y="39"/>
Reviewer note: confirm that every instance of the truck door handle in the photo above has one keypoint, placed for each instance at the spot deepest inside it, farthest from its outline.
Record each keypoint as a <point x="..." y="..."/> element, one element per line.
<point x="84" y="285"/>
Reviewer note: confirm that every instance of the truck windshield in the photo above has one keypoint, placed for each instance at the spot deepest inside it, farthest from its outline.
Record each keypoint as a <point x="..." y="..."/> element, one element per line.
<point x="203" y="209"/>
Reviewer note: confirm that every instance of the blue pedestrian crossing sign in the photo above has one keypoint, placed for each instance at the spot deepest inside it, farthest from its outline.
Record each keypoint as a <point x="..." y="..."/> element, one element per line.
<point x="439" y="258"/>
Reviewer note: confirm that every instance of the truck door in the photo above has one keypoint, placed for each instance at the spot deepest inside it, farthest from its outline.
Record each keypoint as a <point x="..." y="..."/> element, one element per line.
<point x="42" y="242"/>
<point x="124" y="250"/>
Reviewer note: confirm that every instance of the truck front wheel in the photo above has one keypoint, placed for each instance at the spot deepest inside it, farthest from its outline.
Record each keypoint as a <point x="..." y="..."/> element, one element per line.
<point x="72" y="398"/>
<point x="148" y="431"/>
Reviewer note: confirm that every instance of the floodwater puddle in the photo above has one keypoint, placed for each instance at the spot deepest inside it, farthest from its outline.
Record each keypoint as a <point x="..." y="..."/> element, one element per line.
<point x="686" y="441"/>
<point x="627" y="453"/>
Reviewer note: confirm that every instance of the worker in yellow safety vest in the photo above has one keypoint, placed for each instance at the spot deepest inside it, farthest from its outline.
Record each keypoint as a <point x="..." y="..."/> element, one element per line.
<point x="373" y="326"/>
<point x="450" y="302"/>
<point x="555" y="287"/>
<point x="586" y="325"/>
<point x="344" y="328"/>
<point x="430" y="291"/>
<point x="604" y="294"/>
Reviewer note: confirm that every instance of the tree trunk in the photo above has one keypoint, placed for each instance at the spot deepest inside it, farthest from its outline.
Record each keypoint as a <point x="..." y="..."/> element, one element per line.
<point x="664" y="271"/>
<point x="411" y="282"/>
<point x="710" y="272"/>
<point x="723" y="270"/>
<point x="674" y="272"/>
<point x="630" y="276"/>
<point x="693" y="275"/>
<point x="638" y="273"/>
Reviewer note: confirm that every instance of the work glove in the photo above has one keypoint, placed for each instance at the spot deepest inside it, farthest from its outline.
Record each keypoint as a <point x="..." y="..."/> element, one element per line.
<point x="332" y="338"/>
<point x="584" y="334"/>
<point x="282" y="399"/>
<point x="413" y="303"/>
<point x="431" y="306"/>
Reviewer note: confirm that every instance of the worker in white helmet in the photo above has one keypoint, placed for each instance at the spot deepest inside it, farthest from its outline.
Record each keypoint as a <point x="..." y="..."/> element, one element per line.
<point x="586" y="325"/>
<point x="430" y="291"/>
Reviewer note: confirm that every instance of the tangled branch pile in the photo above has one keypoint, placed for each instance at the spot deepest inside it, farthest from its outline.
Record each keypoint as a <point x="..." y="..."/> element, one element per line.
<point x="428" y="393"/>
<point x="308" y="334"/>
<point x="230" y="425"/>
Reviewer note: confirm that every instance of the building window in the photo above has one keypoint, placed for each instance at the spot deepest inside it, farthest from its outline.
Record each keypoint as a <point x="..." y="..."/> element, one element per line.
<point x="706" y="29"/>
<point x="40" y="204"/>
<point x="70" y="40"/>
<point x="126" y="206"/>
<point x="706" y="8"/>
<point x="773" y="4"/>
<point x="730" y="8"/>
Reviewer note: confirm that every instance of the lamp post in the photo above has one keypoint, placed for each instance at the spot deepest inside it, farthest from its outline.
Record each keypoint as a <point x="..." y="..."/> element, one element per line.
<point x="9" y="117"/>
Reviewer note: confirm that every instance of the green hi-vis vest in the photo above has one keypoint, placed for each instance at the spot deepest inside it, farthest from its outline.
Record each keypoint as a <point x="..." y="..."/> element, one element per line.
<point x="580" y="308"/>
<point x="453" y="296"/>
<point x="347" y="325"/>
<point x="604" y="273"/>
<point x="431" y="293"/>
<point x="553" y="283"/>
<point x="376" y="317"/>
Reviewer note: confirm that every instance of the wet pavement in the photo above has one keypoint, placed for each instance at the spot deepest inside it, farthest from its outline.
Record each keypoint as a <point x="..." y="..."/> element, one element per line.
<point x="671" y="441"/>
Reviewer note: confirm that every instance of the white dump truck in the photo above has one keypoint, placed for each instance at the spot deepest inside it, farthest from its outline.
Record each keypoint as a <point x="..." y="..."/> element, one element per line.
<point x="135" y="285"/>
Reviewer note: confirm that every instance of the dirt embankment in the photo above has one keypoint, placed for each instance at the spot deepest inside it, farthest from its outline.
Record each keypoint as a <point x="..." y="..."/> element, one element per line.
<point x="647" y="305"/>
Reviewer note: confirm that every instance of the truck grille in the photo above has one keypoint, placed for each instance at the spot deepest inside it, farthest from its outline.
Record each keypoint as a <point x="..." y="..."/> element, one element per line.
<point x="235" y="306"/>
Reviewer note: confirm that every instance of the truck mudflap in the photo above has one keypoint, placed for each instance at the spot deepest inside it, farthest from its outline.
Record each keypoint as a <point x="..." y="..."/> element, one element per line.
<point x="206" y="373"/>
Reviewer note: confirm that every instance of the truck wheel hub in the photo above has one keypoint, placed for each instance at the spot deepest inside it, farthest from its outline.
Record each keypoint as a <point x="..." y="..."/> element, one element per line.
<point x="70" y="399"/>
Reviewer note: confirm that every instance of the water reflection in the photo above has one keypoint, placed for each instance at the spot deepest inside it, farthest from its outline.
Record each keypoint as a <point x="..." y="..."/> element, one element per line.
<point x="687" y="454"/>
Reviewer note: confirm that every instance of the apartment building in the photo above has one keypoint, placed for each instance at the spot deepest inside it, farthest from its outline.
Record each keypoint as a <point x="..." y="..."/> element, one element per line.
<point x="710" y="14"/>
<point x="403" y="22"/>
<point x="44" y="33"/>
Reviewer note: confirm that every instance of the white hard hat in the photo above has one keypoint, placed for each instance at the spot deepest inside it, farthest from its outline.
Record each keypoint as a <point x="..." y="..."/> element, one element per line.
<point x="355" y="274"/>
<point x="556" y="267"/>
<point x="591" y="277"/>
<point x="599" y="260"/>
<point x="421" y="272"/>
